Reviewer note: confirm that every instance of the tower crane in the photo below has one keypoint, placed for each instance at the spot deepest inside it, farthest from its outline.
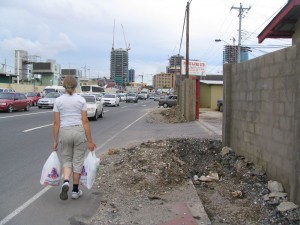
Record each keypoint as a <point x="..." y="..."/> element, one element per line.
<point x="113" y="44"/>
<point x="127" y="46"/>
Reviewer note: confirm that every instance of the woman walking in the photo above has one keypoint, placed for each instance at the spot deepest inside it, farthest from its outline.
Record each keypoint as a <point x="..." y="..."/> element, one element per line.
<point x="71" y="129"/>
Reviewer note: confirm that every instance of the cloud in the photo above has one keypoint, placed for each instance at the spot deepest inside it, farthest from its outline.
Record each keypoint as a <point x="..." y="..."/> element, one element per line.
<point x="47" y="45"/>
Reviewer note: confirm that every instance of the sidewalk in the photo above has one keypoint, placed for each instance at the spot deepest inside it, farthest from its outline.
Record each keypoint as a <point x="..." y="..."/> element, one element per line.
<point x="129" y="204"/>
<point x="189" y="209"/>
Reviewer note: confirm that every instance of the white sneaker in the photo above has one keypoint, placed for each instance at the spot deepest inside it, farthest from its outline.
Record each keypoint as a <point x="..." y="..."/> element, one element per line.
<point x="64" y="191"/>
<point x="76" y="195"/>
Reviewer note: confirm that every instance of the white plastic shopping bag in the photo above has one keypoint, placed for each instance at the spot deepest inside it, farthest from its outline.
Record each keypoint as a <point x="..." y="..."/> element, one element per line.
<point x="51" y="171"/>
<point x="89" y="169"/>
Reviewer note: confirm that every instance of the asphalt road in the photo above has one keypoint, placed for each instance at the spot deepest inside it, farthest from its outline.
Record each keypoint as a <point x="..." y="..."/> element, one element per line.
<point x="26" y="141"/>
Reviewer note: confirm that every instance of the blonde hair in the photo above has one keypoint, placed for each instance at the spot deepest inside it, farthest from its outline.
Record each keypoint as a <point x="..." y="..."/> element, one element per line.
<point x="70" y="83"/>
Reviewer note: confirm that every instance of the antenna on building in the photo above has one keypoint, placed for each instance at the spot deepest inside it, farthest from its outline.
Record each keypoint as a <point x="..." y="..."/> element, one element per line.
<point x="127" y="46"/>
<point x="113" y="44"/>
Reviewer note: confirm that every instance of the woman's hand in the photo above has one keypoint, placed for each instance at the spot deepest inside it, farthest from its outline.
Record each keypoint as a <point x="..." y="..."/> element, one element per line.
<point x="91" y="146"/>
<point x="55" y="146"/>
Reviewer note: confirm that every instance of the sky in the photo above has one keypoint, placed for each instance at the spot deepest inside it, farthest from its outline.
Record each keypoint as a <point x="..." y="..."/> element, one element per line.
<point x="80" y="34"/>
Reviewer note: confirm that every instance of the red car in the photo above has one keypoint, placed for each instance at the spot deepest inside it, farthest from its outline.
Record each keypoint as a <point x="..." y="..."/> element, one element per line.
<point x="11" y="101"/>
<point x="34" y="97"/>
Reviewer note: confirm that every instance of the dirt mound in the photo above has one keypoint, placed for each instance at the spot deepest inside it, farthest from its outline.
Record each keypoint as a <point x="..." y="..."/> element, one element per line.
<point x="233" y="191"/>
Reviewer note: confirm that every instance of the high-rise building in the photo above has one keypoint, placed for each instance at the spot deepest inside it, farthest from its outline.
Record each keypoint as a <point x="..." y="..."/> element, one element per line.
<point x="230" y="54"/>
<point x="119" y="66"/>
<point x="131" y="75"/>
<point x="21" y="68"/>
<point x="175" y="64"/>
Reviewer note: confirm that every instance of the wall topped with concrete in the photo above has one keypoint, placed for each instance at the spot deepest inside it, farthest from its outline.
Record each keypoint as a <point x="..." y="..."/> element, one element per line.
<point x="261" y="119"/>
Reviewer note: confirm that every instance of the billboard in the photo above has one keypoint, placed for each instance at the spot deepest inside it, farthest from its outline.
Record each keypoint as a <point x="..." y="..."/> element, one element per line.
<point x="196" y="68"/>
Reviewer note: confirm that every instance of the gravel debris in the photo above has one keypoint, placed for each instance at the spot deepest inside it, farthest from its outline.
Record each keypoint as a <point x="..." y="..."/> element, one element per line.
<point x="139" y="178"/>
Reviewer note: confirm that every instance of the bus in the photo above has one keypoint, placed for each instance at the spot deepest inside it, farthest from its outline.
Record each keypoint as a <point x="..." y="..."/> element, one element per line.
<point x="91" y="89"/>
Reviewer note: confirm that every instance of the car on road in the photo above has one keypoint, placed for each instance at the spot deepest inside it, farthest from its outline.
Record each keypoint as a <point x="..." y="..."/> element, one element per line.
<point x="94" y="106"/>
<point x="123" y="97"/>
<point x="132" y="97"/>
<point x="10" y="101"/>
<point x="111" y="100"/>
<point x="220" y="104"/>
<point x="48" y="100"/>
<point x="6" y="90"/>
<point x="156" y="97"/>
<point x="142" y="96"/>
<point x="168" y="101"/>
<point x="100" y="96"/>
<point x="34" y="97"/>
<point x="151" y="96"/>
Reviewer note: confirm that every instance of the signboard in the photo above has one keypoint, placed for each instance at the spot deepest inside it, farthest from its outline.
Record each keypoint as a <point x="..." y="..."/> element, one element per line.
<point x="196" y="68"/>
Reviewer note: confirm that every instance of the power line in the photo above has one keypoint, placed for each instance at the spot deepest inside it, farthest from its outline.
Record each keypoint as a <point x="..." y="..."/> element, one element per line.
<point x="182" y="32"/>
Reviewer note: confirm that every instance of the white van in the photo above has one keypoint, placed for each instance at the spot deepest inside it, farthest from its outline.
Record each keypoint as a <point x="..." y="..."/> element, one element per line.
<point x="53" y="88"/>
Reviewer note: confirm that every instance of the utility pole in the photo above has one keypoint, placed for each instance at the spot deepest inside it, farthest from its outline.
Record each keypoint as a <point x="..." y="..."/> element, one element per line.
<point x="187" y="39"/>
<point x="85" y="69"/>
<point x="241" y="12"/>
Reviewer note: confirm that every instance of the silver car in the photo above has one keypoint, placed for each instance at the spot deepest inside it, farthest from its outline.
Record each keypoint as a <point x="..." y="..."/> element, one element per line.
<point x="111" y="99"/>
<point x="48" y="100"/>
<point x="94" y="106"/>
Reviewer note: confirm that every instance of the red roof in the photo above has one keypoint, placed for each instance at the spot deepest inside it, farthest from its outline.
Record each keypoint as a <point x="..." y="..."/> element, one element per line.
<point x="283" y="24"/>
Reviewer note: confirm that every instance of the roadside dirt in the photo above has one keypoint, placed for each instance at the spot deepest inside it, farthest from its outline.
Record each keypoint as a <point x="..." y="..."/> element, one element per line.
<point x="135" y="179"/>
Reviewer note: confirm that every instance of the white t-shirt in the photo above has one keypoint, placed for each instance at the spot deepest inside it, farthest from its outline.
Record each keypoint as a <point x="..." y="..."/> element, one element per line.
<point x="70" y="108"/>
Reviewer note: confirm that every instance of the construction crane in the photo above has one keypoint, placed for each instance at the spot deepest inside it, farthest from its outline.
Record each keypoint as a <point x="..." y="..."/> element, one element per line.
<point x="113" y="43"/>
<point x="127" y="46"/>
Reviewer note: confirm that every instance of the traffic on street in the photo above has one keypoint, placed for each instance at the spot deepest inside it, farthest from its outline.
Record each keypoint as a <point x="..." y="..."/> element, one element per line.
<point x="26" y="143"/>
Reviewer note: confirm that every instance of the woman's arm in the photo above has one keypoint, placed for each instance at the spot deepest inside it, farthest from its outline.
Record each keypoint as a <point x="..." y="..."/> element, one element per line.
<point x="56" y="125"/>
<point x="86" y="126"/>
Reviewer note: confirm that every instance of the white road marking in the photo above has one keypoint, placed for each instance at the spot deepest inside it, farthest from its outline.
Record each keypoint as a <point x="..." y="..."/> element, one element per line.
<point x="116" y="134"/>
<point x="43" y="191"/>
<point x="28" y="114"/>
<point x="35" y="128"/>
<point x="24" y="206"/>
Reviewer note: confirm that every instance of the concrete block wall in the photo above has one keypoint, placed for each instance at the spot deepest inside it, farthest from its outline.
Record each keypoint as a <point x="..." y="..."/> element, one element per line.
<point x="261" y="118"/>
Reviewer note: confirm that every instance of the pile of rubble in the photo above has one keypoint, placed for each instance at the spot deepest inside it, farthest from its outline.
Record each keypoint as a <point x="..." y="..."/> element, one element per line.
<point x="233" y="191"/>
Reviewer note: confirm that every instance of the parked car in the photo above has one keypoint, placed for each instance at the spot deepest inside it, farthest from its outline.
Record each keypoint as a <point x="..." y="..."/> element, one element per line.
<point x="48" y="100"/>
<point x="123" y="97"/>
<point x="94" y="106"/>
<point x="6" y="90"/>
<point x="169" y="101"/>
<point x="151" y="96"/>
<point x="111" y="99"/>
<point x="132" y="97"/>
<point x="220" y="104"/>
<point x="156" y="97"/>
<point x="10" y="101"/>
<point x="142" y="96"/>
<point x="34" y="97"/>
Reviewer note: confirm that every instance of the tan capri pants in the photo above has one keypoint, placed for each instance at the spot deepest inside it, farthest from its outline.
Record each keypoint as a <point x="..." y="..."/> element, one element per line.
<point x="73" y="145"/>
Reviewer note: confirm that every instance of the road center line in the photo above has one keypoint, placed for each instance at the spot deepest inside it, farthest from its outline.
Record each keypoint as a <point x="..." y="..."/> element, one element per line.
<point x="35" y="128"/>
<point x="116" y="134"/>
<point x="24" y="206"/>
<point x="28" y="114"/>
